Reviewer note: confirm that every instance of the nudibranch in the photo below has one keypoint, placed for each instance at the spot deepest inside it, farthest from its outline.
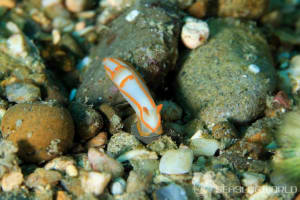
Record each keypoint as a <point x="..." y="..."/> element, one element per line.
<point x="135" y="91"/>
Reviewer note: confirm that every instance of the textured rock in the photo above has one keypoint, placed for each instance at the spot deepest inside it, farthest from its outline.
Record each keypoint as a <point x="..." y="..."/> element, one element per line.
<point x="250" y="9"/>
<point x="41" y="130"/>
<point x="148" y="42"/>
<point x="87" y="121"/>
<point x="230" y="76"/>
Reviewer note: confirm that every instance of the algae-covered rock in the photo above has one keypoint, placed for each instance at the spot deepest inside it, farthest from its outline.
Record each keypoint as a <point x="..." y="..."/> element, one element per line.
<point x="230" y="76"/>
<point x="148" y="41"/>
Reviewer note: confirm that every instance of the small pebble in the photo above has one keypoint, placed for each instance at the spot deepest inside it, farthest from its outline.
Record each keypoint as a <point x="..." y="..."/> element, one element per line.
<point x="11" y="181"/>
<point x="62" y="195"/>
<point x="194" y="33"/>
<point x="204" y="147"/>
<point x="121" y="142"/>
<point x="22" y="92"/>
<point x="118" y="186"/>
<point x="8" y="3"/>
<point x="102" y="162"/>
<point x="198" y="9"/>
<point x="254" y="68"/>
<point x="71" y="170"/>
<point x="176" y="161"/>
<point x="172" y="191"/>
<point x="76" y="5"/>
<point x="94" y="182"/>
<point x="17" y="45"/>
<point x="115" y="121"/>
<point x="41" y="177"/>
<point x="98" y="141"/>
<point x="87" y="120"/>
<point x="138" y="181"/>
<point x="130" y="17"/>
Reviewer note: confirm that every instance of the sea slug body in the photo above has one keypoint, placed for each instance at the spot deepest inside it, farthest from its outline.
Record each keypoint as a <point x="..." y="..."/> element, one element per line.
<point x="134" y="90"/>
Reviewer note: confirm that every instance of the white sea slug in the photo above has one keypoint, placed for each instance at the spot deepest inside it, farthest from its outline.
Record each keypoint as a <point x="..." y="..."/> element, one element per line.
<point x="134" y="90"/>
<point x="194" y="33"/>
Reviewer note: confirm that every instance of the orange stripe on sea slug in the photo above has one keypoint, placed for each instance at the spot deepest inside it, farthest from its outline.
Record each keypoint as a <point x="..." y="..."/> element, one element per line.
<point x="109" y="70"/>
<point x="140" y="109"/>
<point x="129" y="77"/>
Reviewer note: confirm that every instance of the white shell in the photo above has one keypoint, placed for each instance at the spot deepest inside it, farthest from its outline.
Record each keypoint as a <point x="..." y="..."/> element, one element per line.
<point x="176" y="161"/>
<point x="204" y="147"/>
<point x="194" y="33"/>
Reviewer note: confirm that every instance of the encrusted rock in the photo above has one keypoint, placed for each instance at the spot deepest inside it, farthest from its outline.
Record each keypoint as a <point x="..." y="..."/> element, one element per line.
<point x="121" y="142"/>
<point x="218" y="82"/>
<point x="87" y="121"/>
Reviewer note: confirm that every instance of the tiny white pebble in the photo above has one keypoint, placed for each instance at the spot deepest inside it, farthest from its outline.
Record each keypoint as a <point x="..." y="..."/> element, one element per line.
<point x="194" y="33"/>
<point x="84" y="62"/>
<point x="132" y="15"/>
<point x="254" y="68"/>
<point x="244" y="76"/>
<point x="71" y="170"/>
<point x="12" y="27"/>
<point x="55" y="36"/>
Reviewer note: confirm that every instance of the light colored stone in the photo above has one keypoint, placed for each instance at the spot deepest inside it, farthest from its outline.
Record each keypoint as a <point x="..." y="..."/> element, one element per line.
<point x="194" y="33"/>
<point x="94" y="182"/>
<point x="11" y="181"/>
<point x="204" y="147"/>
<point x="176" y="161"/>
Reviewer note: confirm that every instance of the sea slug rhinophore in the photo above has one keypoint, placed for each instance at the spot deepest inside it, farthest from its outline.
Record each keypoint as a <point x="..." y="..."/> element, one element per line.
<point x="134" y="90"/>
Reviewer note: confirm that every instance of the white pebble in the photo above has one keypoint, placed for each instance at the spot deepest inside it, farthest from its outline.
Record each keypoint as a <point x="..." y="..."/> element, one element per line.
<point x="46" y="3"/>
<point x="132" y="15"/>
<point x="71" y="170"/>
<point x="55" y="36"/>
<point x="95" y="182"/>
<point x="194" y="33"/>
<point x="17" y="45"/>
<point x="204" y="147"/>
<point x="254" y="68"/>
<point x="12" y="180"/>
<point x="176" y="161"/>
<point x="118" y="186"/>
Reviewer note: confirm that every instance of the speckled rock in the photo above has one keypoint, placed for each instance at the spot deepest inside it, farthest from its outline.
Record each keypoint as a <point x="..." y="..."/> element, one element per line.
<point x="87" y="120"/>
<point x="250" y="9"/>
<point x="22" y="92"/>
<point x="228" y="78"/>
<point x="42" y="130"/>
<point x="148" y="41"/>
<point x="121" y="142"/>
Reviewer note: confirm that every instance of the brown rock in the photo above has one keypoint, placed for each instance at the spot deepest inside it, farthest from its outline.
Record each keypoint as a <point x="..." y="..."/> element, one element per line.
<point x="41" y="130"/>
<point x="98" y="141"/>
<point x="198" y="9"/>
<point x="41" y="177"/>
<point x="250" y="9"/>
